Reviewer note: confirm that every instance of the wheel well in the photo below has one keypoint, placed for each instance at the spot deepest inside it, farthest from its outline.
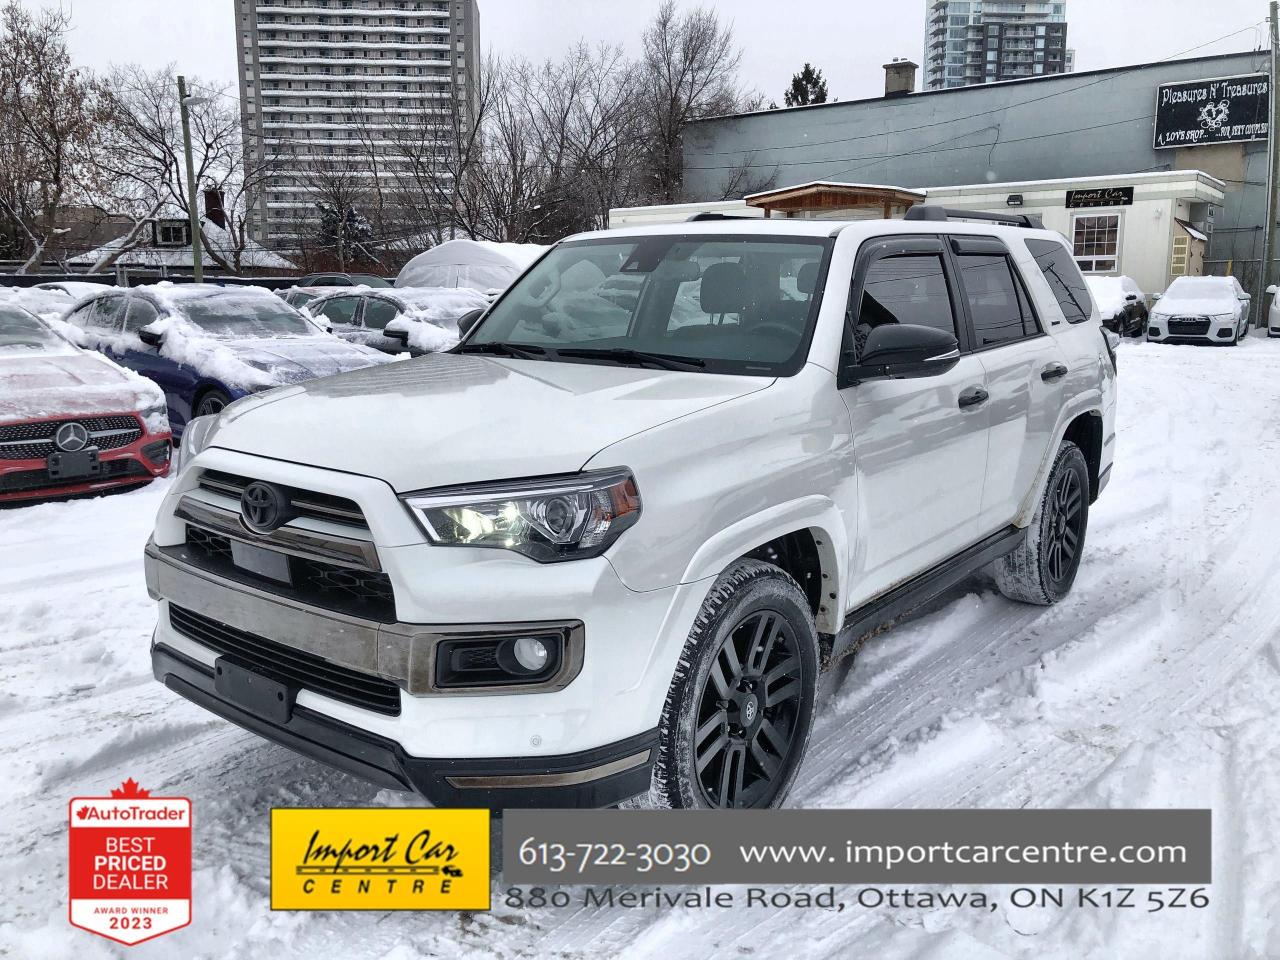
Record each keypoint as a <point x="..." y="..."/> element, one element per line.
<point x="797" y="553"/>
<point x="1085" y="431"/>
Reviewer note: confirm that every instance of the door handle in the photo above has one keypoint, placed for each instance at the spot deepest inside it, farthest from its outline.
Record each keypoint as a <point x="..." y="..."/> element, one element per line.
<point x="1053" y="372"/>
<point x="973" y="397"/>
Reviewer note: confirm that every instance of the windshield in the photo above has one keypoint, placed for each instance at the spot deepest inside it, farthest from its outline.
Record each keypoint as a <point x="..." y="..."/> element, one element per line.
<point x="723" y="304"/>
<point x="246" y="317"/>
<point x="1201" y="288"/>
<point x="20" y="330"/>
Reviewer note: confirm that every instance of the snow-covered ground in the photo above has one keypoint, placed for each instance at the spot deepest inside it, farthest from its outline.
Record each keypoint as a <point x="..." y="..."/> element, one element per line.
<point x="1156" y="683"/>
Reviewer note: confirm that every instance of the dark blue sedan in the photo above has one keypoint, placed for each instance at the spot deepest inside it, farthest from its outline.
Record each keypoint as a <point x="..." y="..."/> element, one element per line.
<point x="206" y="345"/>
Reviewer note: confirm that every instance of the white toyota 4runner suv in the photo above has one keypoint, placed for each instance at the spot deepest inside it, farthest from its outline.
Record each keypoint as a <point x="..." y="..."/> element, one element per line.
<point x="602" y="549"/>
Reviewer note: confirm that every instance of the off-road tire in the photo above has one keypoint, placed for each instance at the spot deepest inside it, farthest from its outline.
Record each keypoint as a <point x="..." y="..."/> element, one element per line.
<point x="1028" y="573"/>
<point x="747" y="593"/>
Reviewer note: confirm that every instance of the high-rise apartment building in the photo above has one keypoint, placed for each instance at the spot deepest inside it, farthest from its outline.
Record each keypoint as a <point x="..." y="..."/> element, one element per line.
<point x="981" y="41"/>
<point x="329" y="81"/>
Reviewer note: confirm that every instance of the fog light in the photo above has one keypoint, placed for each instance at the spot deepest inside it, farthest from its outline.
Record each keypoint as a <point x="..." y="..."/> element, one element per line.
<point x="531" y="653"/>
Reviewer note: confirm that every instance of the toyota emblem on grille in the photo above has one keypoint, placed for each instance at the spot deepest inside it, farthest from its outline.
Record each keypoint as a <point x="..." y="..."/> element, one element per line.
<point x="264" y="507"/>
<point x="71" y="437"/>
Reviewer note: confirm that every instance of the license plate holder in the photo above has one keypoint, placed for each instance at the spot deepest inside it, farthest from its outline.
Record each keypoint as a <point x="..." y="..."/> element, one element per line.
<point x="253" y="692"/>
<point x="69" y="466"/>
<point x="261" y="562"/>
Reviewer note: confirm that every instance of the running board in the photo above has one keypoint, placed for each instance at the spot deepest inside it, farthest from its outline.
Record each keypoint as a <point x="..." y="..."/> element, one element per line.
<point x="906" y="597"/>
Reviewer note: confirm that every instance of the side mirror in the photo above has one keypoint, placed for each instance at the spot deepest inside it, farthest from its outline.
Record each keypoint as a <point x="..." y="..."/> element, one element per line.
<point x="1246" y="297"/>
<point x="150" y="337"/>
<point x="900" y="351"/>
<point x="1132" y="297"/>
<point x="468" y="320"/>
<point x="1272" y="290"/>
<point x="399" y="335"/>
<point x="1156" y="296"/>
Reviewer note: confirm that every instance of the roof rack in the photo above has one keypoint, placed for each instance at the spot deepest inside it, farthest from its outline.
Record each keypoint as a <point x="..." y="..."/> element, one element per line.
<point x="699" y="217"/>
<point x="1033" y="221"/>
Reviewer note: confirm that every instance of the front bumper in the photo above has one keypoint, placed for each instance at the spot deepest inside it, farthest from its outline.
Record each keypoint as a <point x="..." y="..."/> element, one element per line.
<point x="591" y="778"/>
<point x="28" y="480"/>
<point x="1191" y="329"/>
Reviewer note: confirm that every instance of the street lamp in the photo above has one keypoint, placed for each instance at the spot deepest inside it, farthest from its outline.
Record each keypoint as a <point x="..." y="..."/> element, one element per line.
<point x="184" y="101"/>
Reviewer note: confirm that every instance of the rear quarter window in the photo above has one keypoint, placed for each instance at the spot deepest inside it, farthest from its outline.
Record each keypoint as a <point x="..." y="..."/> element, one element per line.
<point x="1064" y="279"/>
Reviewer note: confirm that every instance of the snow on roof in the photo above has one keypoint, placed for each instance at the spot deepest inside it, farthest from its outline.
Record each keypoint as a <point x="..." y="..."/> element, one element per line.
<point x="835" y="185"/>
<point x="478" y="264"/>
<point x="254" y="255"/>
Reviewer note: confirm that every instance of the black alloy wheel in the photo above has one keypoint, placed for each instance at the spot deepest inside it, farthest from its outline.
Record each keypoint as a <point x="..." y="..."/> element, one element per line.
<point x="748" y="713"/>
<point x="1066" y="526"/>
<point x="211" y="403"/>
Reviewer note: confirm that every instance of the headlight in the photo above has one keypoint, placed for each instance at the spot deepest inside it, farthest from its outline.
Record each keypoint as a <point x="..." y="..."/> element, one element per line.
<point x="196" y="436"/>
<point x="551" y="519"/>
<point x="156" y="417"/>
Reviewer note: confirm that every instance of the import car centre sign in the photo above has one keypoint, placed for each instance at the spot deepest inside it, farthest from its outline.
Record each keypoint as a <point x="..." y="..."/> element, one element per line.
<point x="1221" y="110"/>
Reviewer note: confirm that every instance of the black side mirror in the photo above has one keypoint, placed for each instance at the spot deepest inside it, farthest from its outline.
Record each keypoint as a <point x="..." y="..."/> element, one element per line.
<point x="468" y="320"/>
<point x="899" y="351"/>
<point x="401" y="335"/>
<point x="1132" y="297"/>
<point x="150" y="337"/>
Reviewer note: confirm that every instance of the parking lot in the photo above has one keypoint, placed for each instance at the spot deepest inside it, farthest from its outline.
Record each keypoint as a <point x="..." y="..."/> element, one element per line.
<point x="1153" y="684"/>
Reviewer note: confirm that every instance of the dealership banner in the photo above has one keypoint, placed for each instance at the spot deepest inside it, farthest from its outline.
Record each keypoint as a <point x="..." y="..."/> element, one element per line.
<point x="1221" y="110"/>
<point x="857" y="846"/>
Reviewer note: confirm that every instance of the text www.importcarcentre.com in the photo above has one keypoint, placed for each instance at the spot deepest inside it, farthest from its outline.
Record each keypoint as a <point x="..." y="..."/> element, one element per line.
<point x="891" y="855"/>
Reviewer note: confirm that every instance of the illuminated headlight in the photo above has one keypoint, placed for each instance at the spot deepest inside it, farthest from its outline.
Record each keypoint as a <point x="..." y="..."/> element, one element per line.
<point x="550" y="519"/>
<point x="196" y="436"/>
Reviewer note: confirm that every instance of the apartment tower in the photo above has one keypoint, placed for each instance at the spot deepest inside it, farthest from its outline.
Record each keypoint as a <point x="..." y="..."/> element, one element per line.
<point x="980" y="41"/>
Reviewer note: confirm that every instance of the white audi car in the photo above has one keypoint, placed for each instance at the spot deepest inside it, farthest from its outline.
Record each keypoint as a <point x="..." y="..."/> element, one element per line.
<point x="1200" y="310"/>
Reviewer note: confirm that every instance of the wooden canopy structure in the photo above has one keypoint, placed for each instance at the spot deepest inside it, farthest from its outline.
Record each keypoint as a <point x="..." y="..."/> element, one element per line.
<point x="827" y="198"/>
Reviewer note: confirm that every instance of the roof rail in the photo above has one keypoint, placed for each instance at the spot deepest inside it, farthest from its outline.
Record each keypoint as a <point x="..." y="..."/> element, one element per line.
<point x="699" y="217"/>
<point x="1033" y="221"/>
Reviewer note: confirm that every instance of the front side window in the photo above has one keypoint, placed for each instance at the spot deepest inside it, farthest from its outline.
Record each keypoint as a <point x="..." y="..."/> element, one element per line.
<point x="378" y="313"/>
<point x="107" y="314"/>
<point x="1096" y="242"/>
<point x="906" y="289"/>
<point x="724" y="304"/>
<point x="139" y="315"/>
<point x="340" y="310"/>
<point x="1064" y="279"/>
<point x="998" y="311"/>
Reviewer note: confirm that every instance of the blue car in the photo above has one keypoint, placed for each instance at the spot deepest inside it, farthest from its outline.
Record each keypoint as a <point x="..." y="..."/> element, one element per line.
<point x="206" y="346"/>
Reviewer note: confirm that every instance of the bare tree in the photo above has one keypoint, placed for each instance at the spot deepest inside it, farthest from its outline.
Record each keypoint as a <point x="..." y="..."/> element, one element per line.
<point x="48" y="115"/>
<point x="690" y="67"/>
<point x="141" y="166"/>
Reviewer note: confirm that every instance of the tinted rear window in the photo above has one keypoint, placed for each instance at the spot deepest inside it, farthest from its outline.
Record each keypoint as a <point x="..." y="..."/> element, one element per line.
<point x="1064" y="279"/>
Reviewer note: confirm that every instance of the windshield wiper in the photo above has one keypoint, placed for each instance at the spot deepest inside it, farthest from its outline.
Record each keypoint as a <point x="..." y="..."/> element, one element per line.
<point x="626" y="355"/>
<point x="519" y="351"/>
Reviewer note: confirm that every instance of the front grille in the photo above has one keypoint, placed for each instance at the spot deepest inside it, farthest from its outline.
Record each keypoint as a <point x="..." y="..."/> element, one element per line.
<point x="23" y="480"/>
<point x="306" y="503"/>
<point x="1185" y="327"/>
<point x="360" y="593"/>
<point x="287" y="664"/>
<point x="34" y="440"/>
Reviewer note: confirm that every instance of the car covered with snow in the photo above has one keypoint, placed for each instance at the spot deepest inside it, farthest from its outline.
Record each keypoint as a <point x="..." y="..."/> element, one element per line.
<point x="1273" y="312"/>
<point x="602" y="548"/>
<point x="207" y="345"/>
<point x="71" y="421"/>
<point x="1122" y="305"/>
<point x="1200" y="310"/>
<point x="301" y="296"/>
<point x="419" y="319"/>
<point x="482" y="265"/>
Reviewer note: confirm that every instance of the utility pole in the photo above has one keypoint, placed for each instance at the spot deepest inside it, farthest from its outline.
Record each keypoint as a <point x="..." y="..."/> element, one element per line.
<point x="197" y="261"/>
<point x="1273" y="181"/>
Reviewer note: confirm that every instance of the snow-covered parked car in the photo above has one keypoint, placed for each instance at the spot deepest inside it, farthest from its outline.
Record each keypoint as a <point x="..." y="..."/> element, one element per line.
<point x="71" y="421"/>
<point x="1121" y="303"/>
<point x="476" y="264"/>
<point x="1273" y="312"/>
<point x="300" y="296"/>
<point x="1200" y="310"/>
<point x="571" y="563"/>
<point x="421" y="320"/>
<point x="207" y="346"/>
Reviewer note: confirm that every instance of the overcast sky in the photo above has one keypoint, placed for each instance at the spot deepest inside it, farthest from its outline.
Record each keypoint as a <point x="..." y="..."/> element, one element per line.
<point x="848" y="40"/>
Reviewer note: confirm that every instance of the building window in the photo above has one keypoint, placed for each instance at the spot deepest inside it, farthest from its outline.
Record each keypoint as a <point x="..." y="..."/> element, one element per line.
<point x="171" y="234"/>
<point x="1096" y="242"/>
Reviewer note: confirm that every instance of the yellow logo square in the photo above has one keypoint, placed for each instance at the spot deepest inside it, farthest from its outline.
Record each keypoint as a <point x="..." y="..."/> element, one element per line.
<point x="379" y="859"/>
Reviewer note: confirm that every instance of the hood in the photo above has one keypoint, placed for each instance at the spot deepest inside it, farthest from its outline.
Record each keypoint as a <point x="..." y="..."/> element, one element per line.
<point x="1195" y="307"/>
<point x="294" y="359"/>
<point x="448" y="418"/>
<point x="71" y="383"/>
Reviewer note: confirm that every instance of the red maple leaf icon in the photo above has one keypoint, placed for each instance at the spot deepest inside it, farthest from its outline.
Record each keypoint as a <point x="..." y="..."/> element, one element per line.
<point x="129" y="790"/>
<point x="82" y="812"/>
